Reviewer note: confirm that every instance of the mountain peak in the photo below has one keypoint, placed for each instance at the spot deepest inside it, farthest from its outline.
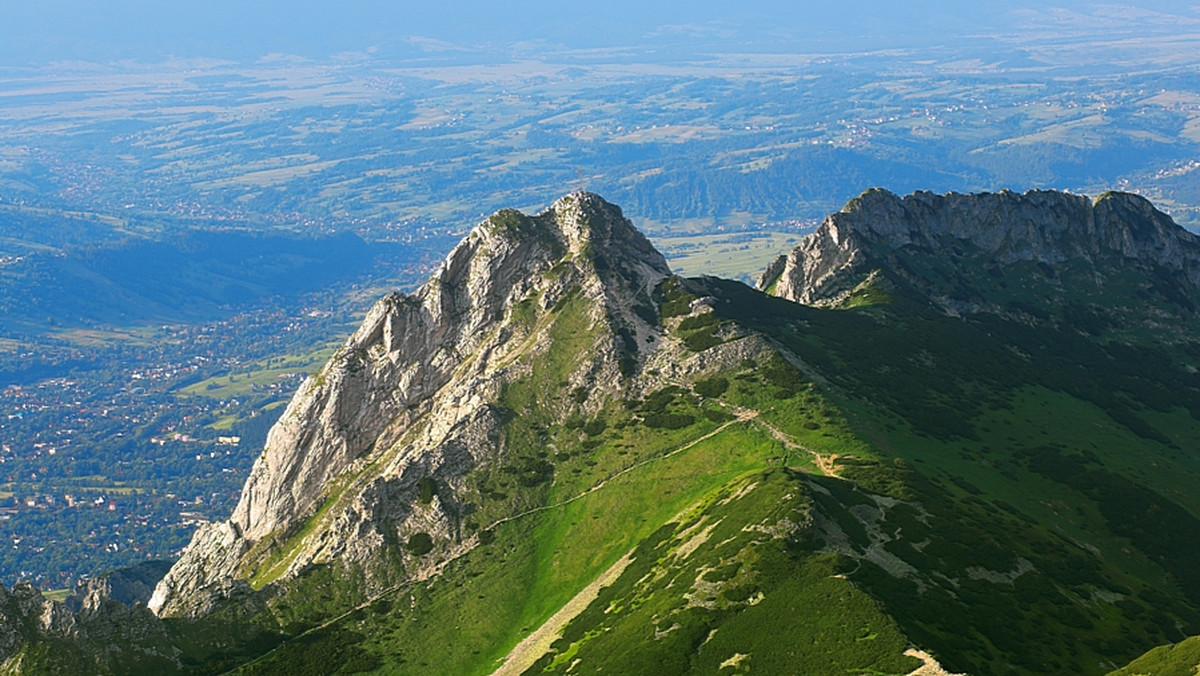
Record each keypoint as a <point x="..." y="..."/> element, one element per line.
<point x="1000" y="231"/>
<point x="412" y="394"/>
<point x="574" y="219"/>
<point x="587" y="220"/>
<point x="580" y="213"/>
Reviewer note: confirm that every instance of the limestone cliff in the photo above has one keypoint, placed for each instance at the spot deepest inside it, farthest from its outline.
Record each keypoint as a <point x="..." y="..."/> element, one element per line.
<point x="1061" y="232"/>
<point x="410" y="395"/>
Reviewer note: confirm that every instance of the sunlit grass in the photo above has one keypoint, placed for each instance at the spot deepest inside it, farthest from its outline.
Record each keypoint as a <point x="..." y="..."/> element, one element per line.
<point x="258" y="375"/>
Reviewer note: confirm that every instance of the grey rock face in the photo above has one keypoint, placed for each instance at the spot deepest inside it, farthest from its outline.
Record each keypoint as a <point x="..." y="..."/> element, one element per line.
<point x="1038" y="226"/>
<point x="126" y="586"/>
<point x="27" y="616"/>
<point x="407" y="397"/>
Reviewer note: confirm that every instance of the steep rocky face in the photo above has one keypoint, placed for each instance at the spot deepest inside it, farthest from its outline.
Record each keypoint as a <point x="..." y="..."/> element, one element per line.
<point x="1062" y="232"/>
<point x="409" y="398"/>
<point x="27" y="618"/>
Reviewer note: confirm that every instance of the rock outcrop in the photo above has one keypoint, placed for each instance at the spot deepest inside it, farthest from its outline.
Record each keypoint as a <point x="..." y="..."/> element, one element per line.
<point x="1047" y="227"/>
<point x="103" y="627"/>
<point x="127" y="586"/>
<point x="408" y="397"/>
<point x="26" y="614"/>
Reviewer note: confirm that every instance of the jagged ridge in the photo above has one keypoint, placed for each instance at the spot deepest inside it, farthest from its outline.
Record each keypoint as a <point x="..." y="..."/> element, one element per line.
<point x="879" y="231"/>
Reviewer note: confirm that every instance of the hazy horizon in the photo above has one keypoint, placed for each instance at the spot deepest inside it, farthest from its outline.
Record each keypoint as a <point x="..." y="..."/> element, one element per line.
<point x="149" y="31"/>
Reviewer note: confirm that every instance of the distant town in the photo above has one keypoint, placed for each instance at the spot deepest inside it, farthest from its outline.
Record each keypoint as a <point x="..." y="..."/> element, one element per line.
<point x="118" y="463"/>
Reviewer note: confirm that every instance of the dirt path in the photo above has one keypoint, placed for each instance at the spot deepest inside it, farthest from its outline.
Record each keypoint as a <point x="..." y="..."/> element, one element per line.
<point x="826" y="463"/>
<point x="538" y="643"/>
<point x="931" y="666"/>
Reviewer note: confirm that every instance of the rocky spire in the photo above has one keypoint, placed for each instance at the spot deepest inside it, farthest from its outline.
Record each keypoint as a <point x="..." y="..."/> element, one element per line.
<point x="410" y="387"/>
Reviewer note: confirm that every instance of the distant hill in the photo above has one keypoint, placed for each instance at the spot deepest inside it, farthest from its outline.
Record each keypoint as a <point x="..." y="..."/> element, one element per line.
<point x="102" y="276"/>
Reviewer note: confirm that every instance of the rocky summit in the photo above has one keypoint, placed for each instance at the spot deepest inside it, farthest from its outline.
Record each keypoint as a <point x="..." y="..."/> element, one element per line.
<point x="914" y="238"/>
<point x="410" y="397"/>
<point x="956" y="434"/>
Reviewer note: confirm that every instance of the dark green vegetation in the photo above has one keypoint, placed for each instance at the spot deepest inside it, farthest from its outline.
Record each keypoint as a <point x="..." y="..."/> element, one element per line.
<point x="1049" y="463"/>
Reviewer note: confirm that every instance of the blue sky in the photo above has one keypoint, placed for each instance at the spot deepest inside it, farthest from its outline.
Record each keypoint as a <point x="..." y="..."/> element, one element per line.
<point x="153" y="30"/>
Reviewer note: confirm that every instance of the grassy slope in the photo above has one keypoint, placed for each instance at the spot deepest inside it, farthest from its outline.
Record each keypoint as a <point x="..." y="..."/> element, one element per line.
<point x="719" y="586"/>
<point x="1180" y="659"/>
<point x="1002" y="516"/>
<point x="618" y="484"/>
<point x="487" y="601"/>
<point x="1021" y="443"/>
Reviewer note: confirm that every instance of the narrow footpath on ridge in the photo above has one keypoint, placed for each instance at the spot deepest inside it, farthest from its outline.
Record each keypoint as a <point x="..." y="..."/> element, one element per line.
<point x="826" y="463"/>
<point x="741" y="417"/>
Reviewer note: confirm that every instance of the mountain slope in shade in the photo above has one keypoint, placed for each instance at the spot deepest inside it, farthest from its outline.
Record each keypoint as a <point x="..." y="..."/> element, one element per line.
<point x="556" y="457"/>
